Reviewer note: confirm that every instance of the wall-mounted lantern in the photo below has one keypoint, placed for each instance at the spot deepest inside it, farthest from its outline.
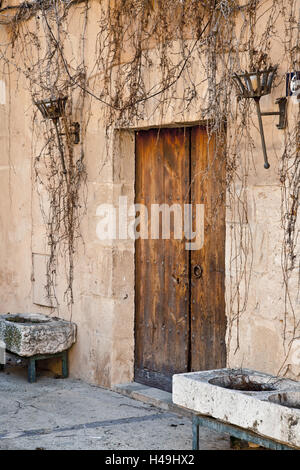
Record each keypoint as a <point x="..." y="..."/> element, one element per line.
<point x="255" y="85"/>
<point x="54" y="109"/>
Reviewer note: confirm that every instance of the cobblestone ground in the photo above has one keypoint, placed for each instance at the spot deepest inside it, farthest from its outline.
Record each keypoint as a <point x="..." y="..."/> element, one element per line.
<point x="70" y="414"/>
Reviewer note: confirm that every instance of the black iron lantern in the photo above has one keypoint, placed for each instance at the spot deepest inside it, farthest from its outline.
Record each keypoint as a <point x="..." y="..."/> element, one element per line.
<point x="54" y="109"/>
<point x="255" y="85"/>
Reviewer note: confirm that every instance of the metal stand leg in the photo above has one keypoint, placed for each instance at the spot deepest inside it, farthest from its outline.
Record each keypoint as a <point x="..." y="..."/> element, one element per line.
<point x="31" y="371"/>
<point x="195" y="433"/>
<point x="65" y="369"/>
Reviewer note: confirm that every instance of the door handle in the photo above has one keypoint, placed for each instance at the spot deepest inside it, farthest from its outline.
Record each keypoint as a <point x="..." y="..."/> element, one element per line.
<point x="197" y="271"/>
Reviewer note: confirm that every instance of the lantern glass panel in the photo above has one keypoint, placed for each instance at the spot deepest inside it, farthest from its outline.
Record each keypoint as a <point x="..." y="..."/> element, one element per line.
<point x="254" y="83"/>
<point x="52" y="108"/>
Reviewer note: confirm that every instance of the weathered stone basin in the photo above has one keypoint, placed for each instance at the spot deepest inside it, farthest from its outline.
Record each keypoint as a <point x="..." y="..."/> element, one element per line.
<point x="249" y="399"/>
<point x="31" y="334"/>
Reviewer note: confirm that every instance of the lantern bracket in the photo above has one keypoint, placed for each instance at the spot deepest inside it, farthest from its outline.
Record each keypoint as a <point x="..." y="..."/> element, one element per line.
<point x="255" y="85"/>
<point x="282" y="113"/>
<point x="74" y="131"/>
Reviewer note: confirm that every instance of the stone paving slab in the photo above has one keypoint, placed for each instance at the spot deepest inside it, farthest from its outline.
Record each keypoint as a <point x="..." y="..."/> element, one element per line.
<point x="70" y="414"/>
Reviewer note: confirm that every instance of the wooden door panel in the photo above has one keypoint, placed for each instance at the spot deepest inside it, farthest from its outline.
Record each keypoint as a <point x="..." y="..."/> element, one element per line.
<point x="180" y="319"/>
<point x="208" y="321"/>
<point x="162" y="287"/>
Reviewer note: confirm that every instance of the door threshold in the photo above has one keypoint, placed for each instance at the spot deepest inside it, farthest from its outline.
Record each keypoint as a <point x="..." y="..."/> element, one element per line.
<point x="151" y="396"/>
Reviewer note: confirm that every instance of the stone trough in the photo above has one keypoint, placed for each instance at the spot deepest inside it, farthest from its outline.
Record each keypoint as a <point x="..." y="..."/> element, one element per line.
<point x="31" y="334"/>
<point x="265" y="405"/>
<point x="36" y="336"/>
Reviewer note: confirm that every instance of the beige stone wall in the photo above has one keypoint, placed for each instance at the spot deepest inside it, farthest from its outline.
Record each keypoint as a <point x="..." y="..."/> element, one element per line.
<point x="262" y="324"/>
<point x="104" y="273"/>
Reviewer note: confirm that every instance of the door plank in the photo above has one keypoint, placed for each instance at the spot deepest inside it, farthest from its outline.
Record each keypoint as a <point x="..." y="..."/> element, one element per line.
<point x="208" y="321"/>
<point x="162" y="324"/>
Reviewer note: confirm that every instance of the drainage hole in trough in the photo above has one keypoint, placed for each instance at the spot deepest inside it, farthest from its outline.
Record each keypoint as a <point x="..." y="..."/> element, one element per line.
<point x="241" y="382"/>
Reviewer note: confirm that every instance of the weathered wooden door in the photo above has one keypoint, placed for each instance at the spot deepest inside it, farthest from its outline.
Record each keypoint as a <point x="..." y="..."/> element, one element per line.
<point x="180" y="308"/>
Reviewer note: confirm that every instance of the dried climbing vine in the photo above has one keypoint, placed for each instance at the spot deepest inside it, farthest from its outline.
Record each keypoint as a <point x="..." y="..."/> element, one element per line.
<point x="142" y="65"/>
